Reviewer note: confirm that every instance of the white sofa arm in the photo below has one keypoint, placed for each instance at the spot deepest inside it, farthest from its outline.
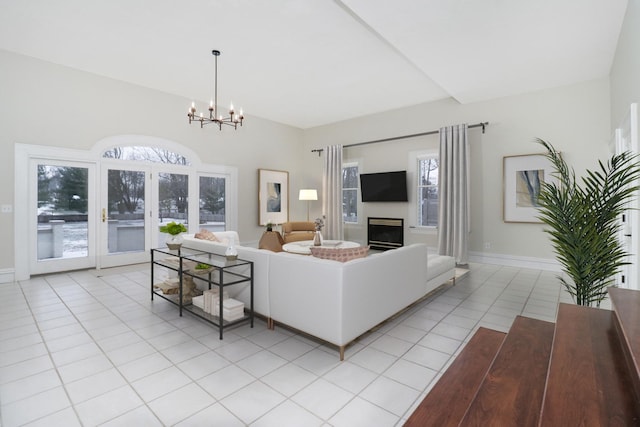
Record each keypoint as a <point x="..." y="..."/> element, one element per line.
<point x="306" y="293"/>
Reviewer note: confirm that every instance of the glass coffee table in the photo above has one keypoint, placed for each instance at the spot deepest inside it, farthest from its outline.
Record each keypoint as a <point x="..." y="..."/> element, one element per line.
<point x="304" y="247"/>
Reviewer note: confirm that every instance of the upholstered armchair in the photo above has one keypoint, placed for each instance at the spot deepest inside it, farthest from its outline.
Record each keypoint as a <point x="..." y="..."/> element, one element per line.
<point x="297" y="231"/>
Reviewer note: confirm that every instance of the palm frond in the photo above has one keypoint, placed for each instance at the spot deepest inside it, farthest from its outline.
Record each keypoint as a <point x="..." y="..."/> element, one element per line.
<point x="583" y="221"/>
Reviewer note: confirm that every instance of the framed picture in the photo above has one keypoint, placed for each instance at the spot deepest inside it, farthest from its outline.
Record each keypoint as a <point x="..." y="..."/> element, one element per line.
<point x="522" y="181"/>
<point x="273" y="196"/>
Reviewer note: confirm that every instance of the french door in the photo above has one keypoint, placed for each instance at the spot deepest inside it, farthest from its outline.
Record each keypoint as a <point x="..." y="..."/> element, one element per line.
<point x="62" y="215"/>
<point x="80" y="209"/>
<point x="125" y="214"/>
<point x="136" y="201"/>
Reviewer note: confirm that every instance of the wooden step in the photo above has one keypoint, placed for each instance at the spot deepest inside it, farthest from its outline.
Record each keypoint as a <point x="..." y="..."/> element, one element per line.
<point x="626" y="306"/>
<point x="448" y="400"/>
<point x="511" y="393"/>
<point x="588" y="383"/>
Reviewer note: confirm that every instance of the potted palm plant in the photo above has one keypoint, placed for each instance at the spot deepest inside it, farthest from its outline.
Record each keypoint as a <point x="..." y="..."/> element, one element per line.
<point x="584" y="221"/>
<point x="174" y="240"/>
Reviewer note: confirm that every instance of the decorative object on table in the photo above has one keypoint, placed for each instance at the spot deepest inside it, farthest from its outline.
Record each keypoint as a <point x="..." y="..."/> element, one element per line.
<point x="231" y="253"/>
<point x="523" y="176"/>
<point x="317" y="238"/>
<point x="169" y="286"/>
<point x="214" y="111"/>
<point x="584" y="221"/>
<point x="271" y="240"/>
<point x="202" y="268"/>
<point x="340" y="254"/>
<point x="269" y="226"/>
<point x="308" y="194"/>
<point x="273" y="196"/>
<point x="174" y="241"/>
<point x="211" y="300"/>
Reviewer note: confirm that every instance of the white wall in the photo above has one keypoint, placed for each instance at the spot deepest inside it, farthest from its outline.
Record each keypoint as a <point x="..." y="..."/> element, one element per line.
<point x="574" y="118"/>
<point x="51" y="105"/>
<point x="625" y="71"/>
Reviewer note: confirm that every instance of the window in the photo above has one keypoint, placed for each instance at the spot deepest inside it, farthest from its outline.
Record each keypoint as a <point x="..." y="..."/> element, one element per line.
<point x="427" y="191"/>
<point x="146" y="154"/>
<point x="350" y="193"/>
<point x="212" y="203"/>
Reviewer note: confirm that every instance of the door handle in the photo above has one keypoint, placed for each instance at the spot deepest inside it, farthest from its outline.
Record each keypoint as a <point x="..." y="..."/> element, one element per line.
<point x="104" y="214"/>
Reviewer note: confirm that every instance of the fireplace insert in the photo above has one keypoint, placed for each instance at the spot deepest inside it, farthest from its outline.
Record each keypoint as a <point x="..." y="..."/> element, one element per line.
<point x="385" y="233"/>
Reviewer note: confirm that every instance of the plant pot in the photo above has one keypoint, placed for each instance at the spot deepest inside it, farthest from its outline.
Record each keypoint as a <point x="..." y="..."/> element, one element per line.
<point x="174" y="241"/>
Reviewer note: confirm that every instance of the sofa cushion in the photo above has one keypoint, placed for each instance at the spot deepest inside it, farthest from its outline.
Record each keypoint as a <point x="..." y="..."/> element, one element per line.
<point x="222" y="237"/>
<point x="439" y="264"/>
<point x="339" y="254"/>
<point x="205" y="234"/>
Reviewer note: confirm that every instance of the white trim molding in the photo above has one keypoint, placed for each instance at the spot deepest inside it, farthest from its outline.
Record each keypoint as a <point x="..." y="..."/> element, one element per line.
<point x="515" y="261"/>
<point x="7" y="275"/>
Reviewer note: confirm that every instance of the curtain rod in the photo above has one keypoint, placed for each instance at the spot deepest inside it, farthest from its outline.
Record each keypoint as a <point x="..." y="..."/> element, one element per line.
<point x="483" y="125"/>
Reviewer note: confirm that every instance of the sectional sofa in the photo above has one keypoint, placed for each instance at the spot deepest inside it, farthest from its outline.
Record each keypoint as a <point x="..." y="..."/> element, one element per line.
<point x="334" y="301"/>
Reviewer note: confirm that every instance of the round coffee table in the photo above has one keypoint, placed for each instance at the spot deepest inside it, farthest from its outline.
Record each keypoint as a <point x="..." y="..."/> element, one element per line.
<point x="304" y="247"/>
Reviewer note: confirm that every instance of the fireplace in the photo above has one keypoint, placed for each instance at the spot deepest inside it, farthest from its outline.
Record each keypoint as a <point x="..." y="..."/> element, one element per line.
<point x="385" y="233"/>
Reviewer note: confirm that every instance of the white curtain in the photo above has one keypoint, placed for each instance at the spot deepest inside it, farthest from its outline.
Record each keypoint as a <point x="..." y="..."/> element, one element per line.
<point x="453" y="218"/>
<point x="332" y="193"/>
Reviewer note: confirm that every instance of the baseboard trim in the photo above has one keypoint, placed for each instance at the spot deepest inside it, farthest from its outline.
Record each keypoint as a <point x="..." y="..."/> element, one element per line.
<point x="7" y="275"/>
<point x="515" y="261"/>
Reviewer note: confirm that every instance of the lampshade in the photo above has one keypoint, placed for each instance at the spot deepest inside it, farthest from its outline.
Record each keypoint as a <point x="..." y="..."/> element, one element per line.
<point x="308" y="194"/>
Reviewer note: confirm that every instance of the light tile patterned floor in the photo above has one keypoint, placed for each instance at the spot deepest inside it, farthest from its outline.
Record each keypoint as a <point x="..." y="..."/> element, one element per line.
<point x="91" y="348"/>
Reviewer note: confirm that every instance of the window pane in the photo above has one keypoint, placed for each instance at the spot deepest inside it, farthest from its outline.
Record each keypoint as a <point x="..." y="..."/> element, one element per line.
<point x="173" y="199"/>
<point x="350" y="177"/>
<point x="62" y="212"/>
<point x="428" y="172"/>
<point x="427" y="191"/>
<point x="350" y="205"/>
<point x="146" y="154"/>
<point x="126" y="210"/>
<point x="350" y="194"/>
<point x="212" y="203"/>
<point x="429" y="207"/>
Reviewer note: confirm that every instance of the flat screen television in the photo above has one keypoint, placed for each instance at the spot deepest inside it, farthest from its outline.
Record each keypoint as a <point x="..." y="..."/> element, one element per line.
<point x="384" y="186"/>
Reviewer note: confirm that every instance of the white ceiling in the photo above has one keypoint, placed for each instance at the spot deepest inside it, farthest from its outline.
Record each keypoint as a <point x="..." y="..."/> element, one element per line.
<point x="311" y="62"/>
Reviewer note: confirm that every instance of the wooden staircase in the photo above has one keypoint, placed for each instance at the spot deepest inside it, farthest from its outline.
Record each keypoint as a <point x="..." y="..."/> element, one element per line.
<point x="584" y="370"/>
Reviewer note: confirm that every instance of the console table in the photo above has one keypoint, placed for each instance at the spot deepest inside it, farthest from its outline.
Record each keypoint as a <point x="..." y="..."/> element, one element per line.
<point x="221" y="273"/>
<point x="304" y="247"/>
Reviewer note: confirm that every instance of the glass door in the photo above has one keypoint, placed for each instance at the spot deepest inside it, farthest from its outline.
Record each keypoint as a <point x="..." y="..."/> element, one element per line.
<point x="125" y="215"/>
<point x="173" y="203"/>
<point x="63" y="226"/>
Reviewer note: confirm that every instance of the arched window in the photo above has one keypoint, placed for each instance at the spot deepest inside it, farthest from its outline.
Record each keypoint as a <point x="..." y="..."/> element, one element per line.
<point x="146" y="154"/>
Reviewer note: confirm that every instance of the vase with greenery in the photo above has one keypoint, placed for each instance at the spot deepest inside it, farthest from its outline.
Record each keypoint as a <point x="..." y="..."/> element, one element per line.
<point x="174" y="241"/>
<point x="583" y="217"/>
<point x="269" y="226"/>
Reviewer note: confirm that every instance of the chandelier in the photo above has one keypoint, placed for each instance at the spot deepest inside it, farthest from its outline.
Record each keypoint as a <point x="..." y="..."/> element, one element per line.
<point x="233" y="119"/>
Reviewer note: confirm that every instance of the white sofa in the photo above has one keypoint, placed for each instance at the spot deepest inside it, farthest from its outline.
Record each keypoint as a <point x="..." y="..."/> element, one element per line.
<point x="334" y="301"/>
<point x="338" y="302"/>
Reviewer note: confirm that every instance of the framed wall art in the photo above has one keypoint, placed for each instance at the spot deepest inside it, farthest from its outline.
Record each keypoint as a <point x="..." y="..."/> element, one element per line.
<point x="522" y="181"/>
<point x="273" y="196"/>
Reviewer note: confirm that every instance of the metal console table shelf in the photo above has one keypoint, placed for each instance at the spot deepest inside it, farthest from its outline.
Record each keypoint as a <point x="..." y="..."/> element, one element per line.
<point x="222" y="273"/>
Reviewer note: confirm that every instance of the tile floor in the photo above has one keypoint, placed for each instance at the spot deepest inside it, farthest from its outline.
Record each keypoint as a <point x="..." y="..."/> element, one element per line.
<point x="90" y="348"/>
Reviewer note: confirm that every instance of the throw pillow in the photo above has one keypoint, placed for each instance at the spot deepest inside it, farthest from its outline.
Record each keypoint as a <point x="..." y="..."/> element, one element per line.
<point x="205" y="234"/>
<point x="340" y="254"/>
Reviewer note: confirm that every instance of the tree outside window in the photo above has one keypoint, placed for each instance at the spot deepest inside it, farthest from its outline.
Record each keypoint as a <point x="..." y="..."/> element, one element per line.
<point x="427" y="191"/>
<point x="350" y="193"/>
